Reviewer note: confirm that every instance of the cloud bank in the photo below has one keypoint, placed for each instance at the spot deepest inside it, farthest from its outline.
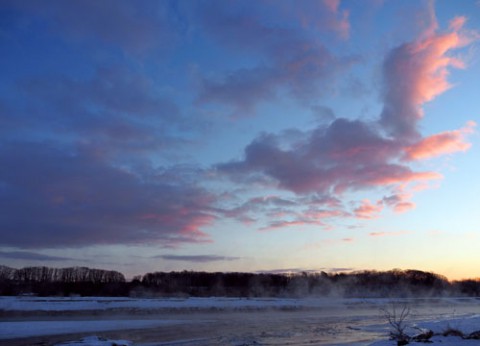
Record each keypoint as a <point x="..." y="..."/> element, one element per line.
<point x="57" y="198"/>
<point x="101" y="135"/>
<point x="347" y="156"/>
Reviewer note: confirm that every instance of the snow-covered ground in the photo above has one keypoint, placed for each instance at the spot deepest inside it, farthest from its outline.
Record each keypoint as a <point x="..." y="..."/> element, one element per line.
<point x="230" y="321"/>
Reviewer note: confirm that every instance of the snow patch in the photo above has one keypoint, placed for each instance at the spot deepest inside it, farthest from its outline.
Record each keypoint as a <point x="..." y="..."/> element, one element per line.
<point x="96" y="341"/>
<point x="465" y="324"/>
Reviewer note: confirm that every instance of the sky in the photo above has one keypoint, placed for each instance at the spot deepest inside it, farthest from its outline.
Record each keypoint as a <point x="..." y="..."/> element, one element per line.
<point x="256" y="136"/>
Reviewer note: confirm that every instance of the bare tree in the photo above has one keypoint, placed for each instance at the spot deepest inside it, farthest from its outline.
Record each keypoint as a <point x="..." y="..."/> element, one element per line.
<point x="396" y="317"/>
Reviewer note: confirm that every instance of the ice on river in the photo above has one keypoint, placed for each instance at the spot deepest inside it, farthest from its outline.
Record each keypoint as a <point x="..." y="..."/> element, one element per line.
<point x="226" y="321"/>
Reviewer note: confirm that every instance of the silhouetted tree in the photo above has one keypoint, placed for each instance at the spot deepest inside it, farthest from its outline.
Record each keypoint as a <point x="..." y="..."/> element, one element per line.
<point x="369" y="283"/>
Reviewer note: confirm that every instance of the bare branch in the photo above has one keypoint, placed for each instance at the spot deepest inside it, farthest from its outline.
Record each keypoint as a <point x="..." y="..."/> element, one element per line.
<point x="397" y="320"/>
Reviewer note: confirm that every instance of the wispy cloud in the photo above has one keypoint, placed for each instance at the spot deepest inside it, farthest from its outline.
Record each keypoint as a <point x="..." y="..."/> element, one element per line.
<point x="399" y="202"/>
<point x="388" y="234"/>
<point x="307" y="270"/>
<point x="447" y="142"/>
<point x="368" y="210"/>
<point x="32" y="256"/>
<point x="292" y="62"/>
<point x="291" y="223"/>
<point x="197" y="258"/>
<point x="295" y="211"/>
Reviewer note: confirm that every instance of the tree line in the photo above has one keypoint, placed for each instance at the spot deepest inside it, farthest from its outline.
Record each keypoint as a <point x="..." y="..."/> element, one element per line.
<point x="89" y="282"/>
<point x="70" y="275"/>
<point x="62" y="281"/>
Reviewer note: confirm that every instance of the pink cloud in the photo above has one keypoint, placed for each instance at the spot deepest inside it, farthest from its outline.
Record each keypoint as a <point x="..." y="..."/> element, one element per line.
<point x="447" y="142"/>
<point x="416" y="73"/>
<point x="388" y="234"/>
<point x="368" y="210"/>
<point x="400" y="202"/>
<point x="332" y="5"/>
<point x="457" y="23"/>
<point x="404" y="206"/>
<point x="405" y="177"/>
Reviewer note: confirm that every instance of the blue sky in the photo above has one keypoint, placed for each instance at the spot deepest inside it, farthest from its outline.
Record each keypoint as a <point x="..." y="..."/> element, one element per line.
<point x="240" y="135"/>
